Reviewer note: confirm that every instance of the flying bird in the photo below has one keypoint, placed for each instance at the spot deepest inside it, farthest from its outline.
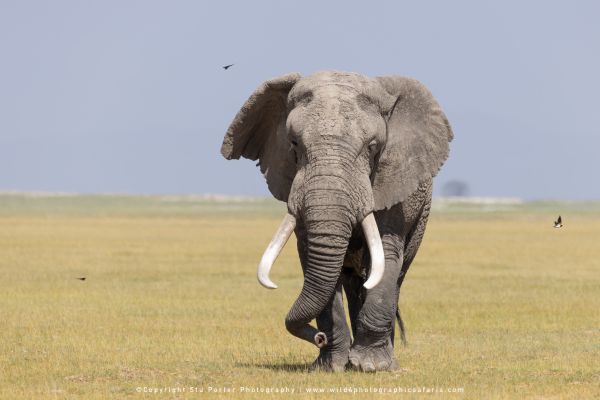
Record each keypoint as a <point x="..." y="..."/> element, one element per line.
<point x="228" y="66"/>
<point x="558" y="222"/>
<point x="82" y="278"/>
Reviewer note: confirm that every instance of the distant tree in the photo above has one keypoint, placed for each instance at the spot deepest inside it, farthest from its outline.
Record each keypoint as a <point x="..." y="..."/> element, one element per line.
<point x="455" y="188"/>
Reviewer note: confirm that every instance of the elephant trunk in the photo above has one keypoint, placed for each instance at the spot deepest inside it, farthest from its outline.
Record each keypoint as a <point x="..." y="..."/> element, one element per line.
<point x="328" y="222"/>
<point x="324" y="259"/>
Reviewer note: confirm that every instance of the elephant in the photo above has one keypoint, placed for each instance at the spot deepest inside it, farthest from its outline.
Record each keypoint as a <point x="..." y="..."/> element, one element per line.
<point x="354" y="158"/>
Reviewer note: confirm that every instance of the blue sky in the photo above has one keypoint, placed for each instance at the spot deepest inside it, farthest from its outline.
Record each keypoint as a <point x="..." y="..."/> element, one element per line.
<point x="130" y="96"/>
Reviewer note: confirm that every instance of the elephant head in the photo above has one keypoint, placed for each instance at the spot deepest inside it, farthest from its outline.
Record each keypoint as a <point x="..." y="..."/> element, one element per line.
<point x="336" y="147"/>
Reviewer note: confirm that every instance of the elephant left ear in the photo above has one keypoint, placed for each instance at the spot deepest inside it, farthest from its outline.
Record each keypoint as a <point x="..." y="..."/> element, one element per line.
<point x="418" y="136"/>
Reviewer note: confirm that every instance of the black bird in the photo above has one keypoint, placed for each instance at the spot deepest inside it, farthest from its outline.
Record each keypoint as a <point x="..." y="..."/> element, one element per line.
<point x="228" y="66"/>
<point x="558" y="222"/>
<point x="82" y="278"/>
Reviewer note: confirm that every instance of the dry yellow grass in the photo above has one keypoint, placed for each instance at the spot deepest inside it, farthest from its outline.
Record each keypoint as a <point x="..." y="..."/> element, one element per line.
<point x="499" y="304"/>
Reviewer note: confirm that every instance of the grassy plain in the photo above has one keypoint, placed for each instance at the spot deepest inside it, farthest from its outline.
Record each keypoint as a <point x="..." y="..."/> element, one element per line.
<point x="497" y="302"/>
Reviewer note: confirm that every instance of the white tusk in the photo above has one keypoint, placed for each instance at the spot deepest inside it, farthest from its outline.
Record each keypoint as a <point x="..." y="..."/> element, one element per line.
<point x="371" y="232"/>
<point x="273" y="249"/>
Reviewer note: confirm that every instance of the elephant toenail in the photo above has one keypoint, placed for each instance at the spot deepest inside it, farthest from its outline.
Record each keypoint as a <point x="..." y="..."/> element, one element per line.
<point x="382" y="365"/>
<point x="368" y="367"/>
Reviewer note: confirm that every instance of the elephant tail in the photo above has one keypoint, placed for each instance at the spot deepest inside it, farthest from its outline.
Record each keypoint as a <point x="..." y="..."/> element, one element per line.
<point x="401" y="326"/>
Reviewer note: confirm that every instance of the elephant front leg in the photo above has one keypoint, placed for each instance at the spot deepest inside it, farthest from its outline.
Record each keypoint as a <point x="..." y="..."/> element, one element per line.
<point x="373" y="347"/>
<point x="332" y="321"/>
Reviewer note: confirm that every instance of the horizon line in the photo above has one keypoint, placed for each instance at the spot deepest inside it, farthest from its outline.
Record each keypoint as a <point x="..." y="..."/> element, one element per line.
<point x="221" y="196"/>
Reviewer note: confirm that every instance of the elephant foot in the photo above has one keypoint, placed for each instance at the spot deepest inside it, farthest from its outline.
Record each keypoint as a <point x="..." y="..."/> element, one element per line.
<point x="330" y="362"/>
<point x="333" y="356"/>
<point x="373" y="357"/>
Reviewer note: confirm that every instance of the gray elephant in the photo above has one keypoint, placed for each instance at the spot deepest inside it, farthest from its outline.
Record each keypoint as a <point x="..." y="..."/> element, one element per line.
<point x="354" y="159"/>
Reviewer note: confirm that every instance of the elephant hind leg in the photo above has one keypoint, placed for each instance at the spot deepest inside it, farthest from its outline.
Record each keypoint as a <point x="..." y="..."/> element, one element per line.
<point x="354" y="294"/>
<point x="354" y="275"/>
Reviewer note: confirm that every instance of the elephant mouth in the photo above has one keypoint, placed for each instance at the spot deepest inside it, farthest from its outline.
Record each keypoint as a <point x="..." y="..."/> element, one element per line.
<point x="284" y="231"/>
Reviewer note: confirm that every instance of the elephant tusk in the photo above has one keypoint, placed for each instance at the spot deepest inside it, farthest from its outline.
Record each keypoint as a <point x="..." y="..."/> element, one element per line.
<point x="371" y="232"/>
<point x="273" y="249"/>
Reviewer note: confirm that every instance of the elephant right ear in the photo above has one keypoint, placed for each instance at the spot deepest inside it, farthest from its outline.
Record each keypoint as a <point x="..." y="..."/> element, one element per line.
<point x="258" y="132"/>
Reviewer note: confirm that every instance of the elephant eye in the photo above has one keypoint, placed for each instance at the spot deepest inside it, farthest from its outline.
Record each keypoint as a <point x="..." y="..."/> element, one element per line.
<point x="372" y="145"/>
<point x="304" y="98"/>
<point x="294" y="142"/>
